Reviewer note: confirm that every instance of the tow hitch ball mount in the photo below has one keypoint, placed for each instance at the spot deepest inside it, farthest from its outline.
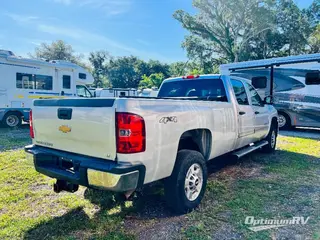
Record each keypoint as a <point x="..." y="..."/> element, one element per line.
<point x="62" y="185"/>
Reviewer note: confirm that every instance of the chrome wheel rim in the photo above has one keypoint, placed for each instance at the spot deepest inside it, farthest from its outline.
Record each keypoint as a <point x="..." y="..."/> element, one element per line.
<point x="273" y="139"/>
<point x="282" y="120"/>
<point x="193" y="182"/>
<point x="12" y="120"/>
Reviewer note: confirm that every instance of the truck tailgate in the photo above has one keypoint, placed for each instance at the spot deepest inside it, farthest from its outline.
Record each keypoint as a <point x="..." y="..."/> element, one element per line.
<point x="83" y="126"/>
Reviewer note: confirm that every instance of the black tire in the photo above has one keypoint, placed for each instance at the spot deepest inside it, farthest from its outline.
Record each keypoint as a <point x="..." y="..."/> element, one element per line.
<point x="284" y="117"/>
<point x="174" y="186"/>
<point x="12" y="119"/>
<point x="272" y="140"/>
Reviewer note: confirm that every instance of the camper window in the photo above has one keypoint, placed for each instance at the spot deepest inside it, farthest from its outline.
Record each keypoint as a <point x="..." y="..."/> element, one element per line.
<point x="82" y="76"/>
<point x="313" y="78"/>
<point x="24" y="80"/>
<point x="66" y="79"/>
<point x="43" y="82"/>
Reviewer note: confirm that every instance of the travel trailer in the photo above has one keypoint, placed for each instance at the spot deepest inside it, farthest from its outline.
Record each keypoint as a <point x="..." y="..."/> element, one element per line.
<point x="149" y="92"/>
<point x="115" y="92"/>
<point x="294" y="82"/>
<point x="23" y="79"/>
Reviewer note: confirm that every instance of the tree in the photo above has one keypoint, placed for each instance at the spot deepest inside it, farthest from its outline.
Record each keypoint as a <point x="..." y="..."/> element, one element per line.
<point x="313" y="14"/>
<point x="123" y="72"/>
<point x="314" y="41"/>
<point x="57" y="50"/>
<point x="178" y="69"/>
<point x="294" y="25"/>
<point x="154" y="80"/>
<point x="202" y="54"/>
<point x="225" y="26"/>
<point x="156" y="66"/>
<point x="98" y="60"/>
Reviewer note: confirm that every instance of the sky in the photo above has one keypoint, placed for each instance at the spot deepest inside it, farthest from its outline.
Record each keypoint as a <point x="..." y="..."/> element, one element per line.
<point x="144" y="28"/>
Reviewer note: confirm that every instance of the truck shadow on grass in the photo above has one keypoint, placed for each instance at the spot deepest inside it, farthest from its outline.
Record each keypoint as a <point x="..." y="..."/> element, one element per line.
<point x="116" y="218"/>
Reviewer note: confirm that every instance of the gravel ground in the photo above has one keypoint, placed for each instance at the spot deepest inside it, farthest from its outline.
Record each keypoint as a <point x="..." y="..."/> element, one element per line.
<point x="302" y="133"/>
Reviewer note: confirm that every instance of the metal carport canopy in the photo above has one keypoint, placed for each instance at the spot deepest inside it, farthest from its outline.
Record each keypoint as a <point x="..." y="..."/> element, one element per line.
<point x="271" y="62"/>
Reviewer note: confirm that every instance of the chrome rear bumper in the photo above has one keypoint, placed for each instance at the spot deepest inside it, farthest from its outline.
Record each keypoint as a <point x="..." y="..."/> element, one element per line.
<point x="86" y="171"/>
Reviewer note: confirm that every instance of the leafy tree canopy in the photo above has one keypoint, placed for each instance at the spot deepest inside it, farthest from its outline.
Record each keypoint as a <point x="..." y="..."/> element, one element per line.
<point x="57" y="50"/>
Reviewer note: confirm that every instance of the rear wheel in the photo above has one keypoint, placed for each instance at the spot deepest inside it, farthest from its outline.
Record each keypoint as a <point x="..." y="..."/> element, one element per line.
<point x="284" y="120"/>
<point x="185" y="188"/>
<point x="12" y="119"/>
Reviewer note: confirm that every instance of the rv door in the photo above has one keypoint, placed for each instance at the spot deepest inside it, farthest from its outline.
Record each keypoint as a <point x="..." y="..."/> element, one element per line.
<point x="66" y="83"/>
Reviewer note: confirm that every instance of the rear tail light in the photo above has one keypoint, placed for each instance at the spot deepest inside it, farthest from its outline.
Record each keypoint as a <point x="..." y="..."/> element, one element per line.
<point x="31" y="124"/>
<point x="131" y="133"/>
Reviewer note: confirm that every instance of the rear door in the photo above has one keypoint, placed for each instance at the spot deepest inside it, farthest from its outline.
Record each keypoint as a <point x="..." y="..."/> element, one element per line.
<point x="83" y="126"/>
<point x="245" y="113"/>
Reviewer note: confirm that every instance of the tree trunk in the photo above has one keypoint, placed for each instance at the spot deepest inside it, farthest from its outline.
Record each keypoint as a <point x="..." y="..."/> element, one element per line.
<point x="236" y="57"/>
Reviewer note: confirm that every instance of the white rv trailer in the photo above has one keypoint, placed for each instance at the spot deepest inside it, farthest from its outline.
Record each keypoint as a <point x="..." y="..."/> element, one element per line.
<point x="115" y="92"/>
<point x="298" y="103"/>
<point x="23" y="79"/>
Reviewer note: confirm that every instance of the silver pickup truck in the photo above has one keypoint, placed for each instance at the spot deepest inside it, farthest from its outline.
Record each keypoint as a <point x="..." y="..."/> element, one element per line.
<point x="120" y="144"/>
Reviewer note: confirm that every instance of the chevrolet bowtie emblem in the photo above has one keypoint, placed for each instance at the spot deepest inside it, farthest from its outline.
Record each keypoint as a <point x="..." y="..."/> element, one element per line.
<point x="64" y="129"/>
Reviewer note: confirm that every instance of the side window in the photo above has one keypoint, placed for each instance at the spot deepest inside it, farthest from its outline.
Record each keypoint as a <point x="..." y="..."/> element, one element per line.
<point x="66" y="81"/>
<point x="240" y="92"/>
<point x="82" y="91"/>
<point x="82" y="76"/>
<point x="24" y="81"/>
<point x="255" y="98"/>
<point x="43" y="82"/>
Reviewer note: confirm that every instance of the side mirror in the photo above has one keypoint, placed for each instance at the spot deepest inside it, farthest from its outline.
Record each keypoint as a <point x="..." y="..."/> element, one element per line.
<point x="313" y="78"/>
<point x="268" y="100"/>
<point x="259" y="82"/>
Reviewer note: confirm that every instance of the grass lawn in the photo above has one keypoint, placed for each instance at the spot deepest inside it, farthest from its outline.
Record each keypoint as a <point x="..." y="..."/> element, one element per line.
<point x="282" y="185"/>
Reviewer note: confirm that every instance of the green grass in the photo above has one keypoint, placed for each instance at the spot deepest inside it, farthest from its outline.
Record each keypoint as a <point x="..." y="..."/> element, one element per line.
<point x="280" y="185"/>
<point x="288" y="185"/>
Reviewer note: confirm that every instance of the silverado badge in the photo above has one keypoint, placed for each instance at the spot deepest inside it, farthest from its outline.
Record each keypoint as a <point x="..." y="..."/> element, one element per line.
<point x="64" y="129"/>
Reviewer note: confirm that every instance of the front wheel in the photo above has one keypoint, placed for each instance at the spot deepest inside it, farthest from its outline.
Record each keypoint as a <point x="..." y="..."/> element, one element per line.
<point x="272" y="140"/>
<point x="185" y="188"/>
<point x="284" y="121"/>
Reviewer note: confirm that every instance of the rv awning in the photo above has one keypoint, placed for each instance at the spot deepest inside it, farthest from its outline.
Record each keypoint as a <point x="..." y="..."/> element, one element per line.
<point x="272" y="62"/>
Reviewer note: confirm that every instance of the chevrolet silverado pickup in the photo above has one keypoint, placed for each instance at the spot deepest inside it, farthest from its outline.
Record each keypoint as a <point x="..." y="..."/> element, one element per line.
<point x="120" y="144"/>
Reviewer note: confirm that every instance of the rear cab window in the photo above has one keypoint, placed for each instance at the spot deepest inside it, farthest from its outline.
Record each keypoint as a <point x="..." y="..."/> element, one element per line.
<point x="204" y="89"/>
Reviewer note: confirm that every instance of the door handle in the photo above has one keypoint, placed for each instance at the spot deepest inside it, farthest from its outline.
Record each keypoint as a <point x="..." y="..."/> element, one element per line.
<point x="65" y="113"/>
<point x="242" y="113"/>
<point x="256" y="112"/>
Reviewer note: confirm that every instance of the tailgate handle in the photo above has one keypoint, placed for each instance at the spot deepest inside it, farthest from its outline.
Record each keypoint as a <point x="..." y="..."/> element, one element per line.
<point x="65" y="113"/>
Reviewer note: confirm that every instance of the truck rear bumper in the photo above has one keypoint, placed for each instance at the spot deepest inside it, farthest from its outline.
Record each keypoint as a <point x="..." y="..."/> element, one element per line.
<point x="86" y="171"/>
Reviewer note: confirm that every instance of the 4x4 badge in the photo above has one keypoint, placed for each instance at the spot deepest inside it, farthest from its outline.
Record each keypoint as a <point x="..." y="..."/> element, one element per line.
<point x="168" y="119"/>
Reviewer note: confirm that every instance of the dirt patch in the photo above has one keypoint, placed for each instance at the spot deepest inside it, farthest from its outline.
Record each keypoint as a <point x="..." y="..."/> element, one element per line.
<point x="165" y="228"/>
<point x="226" y="232"/>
